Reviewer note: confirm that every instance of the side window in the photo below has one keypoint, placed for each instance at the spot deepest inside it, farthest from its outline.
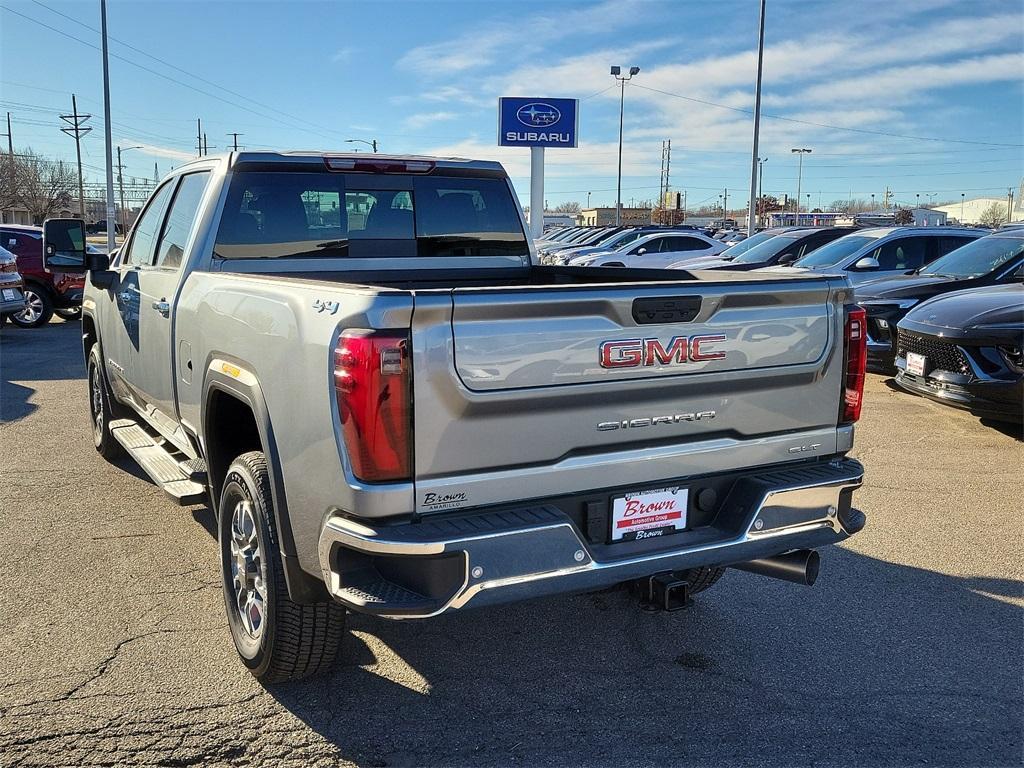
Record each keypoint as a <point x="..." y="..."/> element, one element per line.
<point x="949" y="243"/>
<point x="902" y="253"/>
<point x="671" y="244"/>
<point x="147" y="228"/>
<point x="180" y="219"/>
<point x="651" y="246"/>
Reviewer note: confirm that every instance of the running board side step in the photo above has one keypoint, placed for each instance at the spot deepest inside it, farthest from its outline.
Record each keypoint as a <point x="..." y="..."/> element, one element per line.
<point x="162" y="466"/>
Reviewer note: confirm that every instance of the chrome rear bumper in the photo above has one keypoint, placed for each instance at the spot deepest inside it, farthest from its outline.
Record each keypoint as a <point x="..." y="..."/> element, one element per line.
<point x="417" y="570"/>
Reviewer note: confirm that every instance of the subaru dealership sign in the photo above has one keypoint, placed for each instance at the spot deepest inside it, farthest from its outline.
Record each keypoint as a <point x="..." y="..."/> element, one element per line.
<point x="526" y="122"/>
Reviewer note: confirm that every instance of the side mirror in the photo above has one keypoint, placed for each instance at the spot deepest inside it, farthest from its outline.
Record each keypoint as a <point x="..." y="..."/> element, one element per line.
<point x="64" y="246"/>
<point x="787" y="258"/>
<point x="641" y="252"/>
<point x="867" y="264"/>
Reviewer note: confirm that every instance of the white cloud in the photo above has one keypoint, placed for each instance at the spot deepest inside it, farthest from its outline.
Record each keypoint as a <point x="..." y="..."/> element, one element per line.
<point x="154" y="150"/>
<point x="423" y="119"/>
<point x="342" y="55"/>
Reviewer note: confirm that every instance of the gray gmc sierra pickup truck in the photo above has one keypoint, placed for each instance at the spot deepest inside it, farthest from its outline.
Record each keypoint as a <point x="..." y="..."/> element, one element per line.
<point x="392" y="408"/>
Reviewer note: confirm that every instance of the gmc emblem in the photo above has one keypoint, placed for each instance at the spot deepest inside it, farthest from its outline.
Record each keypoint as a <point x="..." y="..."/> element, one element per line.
<point x="634" y="353"/>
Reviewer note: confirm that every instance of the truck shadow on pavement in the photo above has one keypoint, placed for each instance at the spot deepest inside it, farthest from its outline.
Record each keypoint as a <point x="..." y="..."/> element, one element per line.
<point x="49" y="353"/>
<point x="879" y="663"/>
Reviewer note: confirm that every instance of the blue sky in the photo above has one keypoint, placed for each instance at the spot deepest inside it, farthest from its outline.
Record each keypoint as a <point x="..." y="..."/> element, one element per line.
<point x="425" y="77"/>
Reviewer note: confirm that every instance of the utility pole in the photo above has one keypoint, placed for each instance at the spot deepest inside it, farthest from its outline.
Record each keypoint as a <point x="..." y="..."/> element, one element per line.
<point x="156" y="173"/>
<point x="885" y="199"/>
<point x="725" y="205"/>
<point x="1009" y="204"/>
<point x="754" y="162"/>
<point x="235" y="136"/>
<point x="10" y="156"/>
<point x="108" y="140"/>
<point x="199" y="136"/>
<point x="661" y="178"/>
<point x="206" y="147"/>
<point x="668" y="169"/>
<point x="77" y="128"/>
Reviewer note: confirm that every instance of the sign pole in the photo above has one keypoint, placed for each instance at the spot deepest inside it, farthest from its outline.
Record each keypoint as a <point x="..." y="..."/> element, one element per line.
<point x="536" y="192"/>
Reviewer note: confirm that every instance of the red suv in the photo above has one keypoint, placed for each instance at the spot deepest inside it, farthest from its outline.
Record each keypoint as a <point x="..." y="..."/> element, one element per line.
<point x="45" y="293"/>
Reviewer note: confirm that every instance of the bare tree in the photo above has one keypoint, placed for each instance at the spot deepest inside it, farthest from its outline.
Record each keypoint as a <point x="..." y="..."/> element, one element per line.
<point x="42" y="186"/>
<point x="567" y="207"/>
<point x="993" y="216"/>
<point x="8" y="183"/>
<point x="903" y="217"/>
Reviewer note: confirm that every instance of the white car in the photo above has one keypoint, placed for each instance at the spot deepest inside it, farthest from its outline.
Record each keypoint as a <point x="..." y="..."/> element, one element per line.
<point x="659" y="250"/>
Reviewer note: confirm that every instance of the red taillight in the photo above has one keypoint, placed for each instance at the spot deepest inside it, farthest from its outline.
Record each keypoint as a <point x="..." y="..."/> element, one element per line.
<point x="373" y="385"/>
<point x="856" y="361"/>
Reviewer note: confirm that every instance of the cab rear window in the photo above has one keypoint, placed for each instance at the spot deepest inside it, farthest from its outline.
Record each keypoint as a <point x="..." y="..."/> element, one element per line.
<point x="288" y="214"/>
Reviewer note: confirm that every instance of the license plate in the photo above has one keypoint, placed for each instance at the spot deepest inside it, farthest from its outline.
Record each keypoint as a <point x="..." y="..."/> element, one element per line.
<point x="916" y="363"/>
<point x="10" y="294"/>
<point x="649" y="513"/>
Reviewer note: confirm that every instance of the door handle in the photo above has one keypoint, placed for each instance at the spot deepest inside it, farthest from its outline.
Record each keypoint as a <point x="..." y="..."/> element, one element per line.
<point x="163" y="307"/>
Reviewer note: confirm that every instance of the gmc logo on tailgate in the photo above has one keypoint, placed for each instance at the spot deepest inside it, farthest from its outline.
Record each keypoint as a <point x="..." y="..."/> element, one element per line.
<point x="636" y="353"/>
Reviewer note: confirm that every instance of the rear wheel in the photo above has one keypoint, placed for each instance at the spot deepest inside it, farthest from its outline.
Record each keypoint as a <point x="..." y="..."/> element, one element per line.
<point x="38" y="308"/>
<point x="276" y="638"/>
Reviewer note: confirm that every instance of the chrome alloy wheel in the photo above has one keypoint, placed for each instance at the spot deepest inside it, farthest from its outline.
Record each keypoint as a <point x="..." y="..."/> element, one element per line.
<point x="248" y="569"/>
<point x="96" y="401"/>
<point x="33" y="307"/>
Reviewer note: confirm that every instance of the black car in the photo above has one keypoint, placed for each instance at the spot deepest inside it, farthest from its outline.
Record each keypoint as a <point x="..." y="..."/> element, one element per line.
<point x="784" y="248"/>
<point x="992" y="260"/>
<point x="967" y="349"/>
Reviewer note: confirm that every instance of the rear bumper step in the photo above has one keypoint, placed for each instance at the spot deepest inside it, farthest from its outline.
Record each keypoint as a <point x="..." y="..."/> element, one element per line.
<point x="421" y="569"/>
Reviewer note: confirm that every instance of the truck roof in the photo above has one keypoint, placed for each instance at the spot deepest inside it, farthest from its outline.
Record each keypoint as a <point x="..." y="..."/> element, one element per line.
<point x="318" y="156"/>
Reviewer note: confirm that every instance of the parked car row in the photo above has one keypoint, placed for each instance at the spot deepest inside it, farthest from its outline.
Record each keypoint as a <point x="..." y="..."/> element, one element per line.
<point x="12" y="300"/>
<point x="44" y="293"/>
<point x="944" y="305"/>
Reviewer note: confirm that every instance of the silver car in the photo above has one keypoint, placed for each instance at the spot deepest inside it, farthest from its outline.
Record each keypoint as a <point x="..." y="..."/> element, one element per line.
<point x="871" y="254"/>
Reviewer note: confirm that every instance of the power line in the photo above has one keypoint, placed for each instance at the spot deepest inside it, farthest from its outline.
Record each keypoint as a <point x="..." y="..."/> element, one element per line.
<point x="185" y="71"/>
<point x="155" y="72"/>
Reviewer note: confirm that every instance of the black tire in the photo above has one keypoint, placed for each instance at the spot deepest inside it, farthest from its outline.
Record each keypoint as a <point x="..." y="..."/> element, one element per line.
<point x="40" y="311"/>
<point x="71" y="314"/>
<point x="291" y="640"/>
<point x="102" y="408"/>
<point x="702" y="578"/>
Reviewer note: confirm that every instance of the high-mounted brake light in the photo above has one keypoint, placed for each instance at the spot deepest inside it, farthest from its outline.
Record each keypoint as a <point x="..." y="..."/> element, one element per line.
<point x="372" y="382"/>
<point x="371" y="164"/>
<point x="856" y="362"/>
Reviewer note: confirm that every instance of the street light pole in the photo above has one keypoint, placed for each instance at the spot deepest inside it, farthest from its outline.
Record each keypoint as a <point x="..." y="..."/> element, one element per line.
<point x="961" y="207"/>
<point x="372" y="143"/>
<point x="108" y="141"/>
<point x="799" y="177"/>
<point x="617" y="74"/>
<point x="754" y="166"/>
<point x="760" y="177"/>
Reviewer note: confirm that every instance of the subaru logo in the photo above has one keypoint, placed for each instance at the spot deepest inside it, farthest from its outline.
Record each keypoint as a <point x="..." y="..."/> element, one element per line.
<point x="538" y="114"/>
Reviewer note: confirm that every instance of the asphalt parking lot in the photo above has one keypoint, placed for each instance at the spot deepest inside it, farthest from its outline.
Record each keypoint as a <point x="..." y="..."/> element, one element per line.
<point x="114" y="648"/>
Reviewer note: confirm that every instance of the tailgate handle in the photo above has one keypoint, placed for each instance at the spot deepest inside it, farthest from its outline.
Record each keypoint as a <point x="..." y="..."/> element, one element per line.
<point x="666" y="309"/>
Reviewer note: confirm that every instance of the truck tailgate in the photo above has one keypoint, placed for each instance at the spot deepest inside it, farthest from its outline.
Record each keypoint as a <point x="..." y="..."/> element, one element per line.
<point x="561" y="389"/>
